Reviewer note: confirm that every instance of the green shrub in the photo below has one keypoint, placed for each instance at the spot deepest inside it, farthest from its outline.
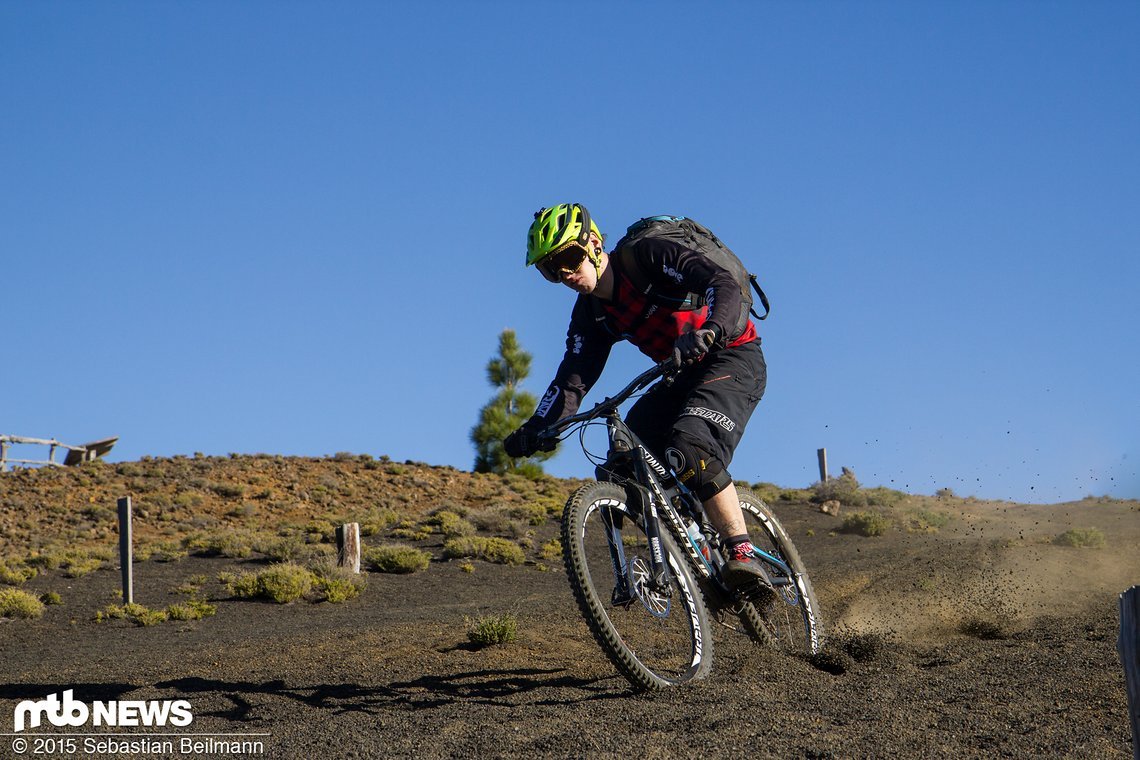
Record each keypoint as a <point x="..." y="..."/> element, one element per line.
<point x="554" y="505"/>
<point x="532" y="512"/>
<point x="497" y="521"/>
<point x="188" y="500"/>
<point x="13" y="574"/>
<point x="337" y="590"/>
<point x="168" y="551"/>
<point x="138" y="614"/>
<point x="318" y="531"/>
<point x="844" y="489"/>
<point x="77" y="563"/>
<point x="51" y="598"/>
<point x="497" y="550"/>
<point x="412" y="534"/>
<point x="244" y="586"/>
<point x="282" y="583"/>
<point x="228" y="543"/>
<point x="451" y="524"/>
<point x="191" y="586"/>
<point x="1081" y="538"/>
<point x="397" y="559"/>
<point x="927" y="521"/>
<point x="285" y="582"/>
<point x="335" y="584"/>
<point x="377" y="520"/>
<point x="228" y="490"/>
<point x="866" y="523"/>
<point x="880" y="496"/>
<point x="552" y="549"/>
<point x="17" y="603"/>
<point x="193" y="609"/>
<point x="493" y="629"/>
<point x="290" y="548"/>
<point x="768" y="492"/>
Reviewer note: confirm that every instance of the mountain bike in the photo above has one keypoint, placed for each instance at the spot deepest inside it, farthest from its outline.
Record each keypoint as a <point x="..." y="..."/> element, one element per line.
<point x="645" y="562"/>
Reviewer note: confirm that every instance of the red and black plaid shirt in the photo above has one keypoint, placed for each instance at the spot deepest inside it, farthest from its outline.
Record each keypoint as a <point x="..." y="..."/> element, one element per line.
<point x="652" y="323"/>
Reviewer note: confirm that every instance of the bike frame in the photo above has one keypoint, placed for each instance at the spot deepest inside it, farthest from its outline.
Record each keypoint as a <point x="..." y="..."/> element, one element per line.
<point x="652" y="493"/>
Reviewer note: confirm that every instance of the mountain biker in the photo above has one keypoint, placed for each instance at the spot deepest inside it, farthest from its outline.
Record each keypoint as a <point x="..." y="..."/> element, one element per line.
<point x="697" y="421"/>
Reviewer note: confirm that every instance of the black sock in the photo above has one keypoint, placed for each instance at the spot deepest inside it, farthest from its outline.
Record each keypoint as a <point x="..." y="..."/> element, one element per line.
<point x="732" y="541"/>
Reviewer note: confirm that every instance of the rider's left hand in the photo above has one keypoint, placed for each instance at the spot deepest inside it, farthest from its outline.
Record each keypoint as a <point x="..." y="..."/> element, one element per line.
<point x="692" y="345"/>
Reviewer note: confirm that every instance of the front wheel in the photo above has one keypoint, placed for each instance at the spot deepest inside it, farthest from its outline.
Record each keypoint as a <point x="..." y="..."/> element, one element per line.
<point x="656" y="635"/>
<point x="793" y="621"/>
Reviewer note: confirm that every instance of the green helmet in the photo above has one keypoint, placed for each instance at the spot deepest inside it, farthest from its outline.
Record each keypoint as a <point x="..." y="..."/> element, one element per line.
<point x="557" y="225"/>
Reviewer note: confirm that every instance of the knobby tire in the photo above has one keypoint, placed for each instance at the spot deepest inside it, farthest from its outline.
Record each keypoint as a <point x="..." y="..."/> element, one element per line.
<point x="794" y="621"/>
<point x="652" y="651"/>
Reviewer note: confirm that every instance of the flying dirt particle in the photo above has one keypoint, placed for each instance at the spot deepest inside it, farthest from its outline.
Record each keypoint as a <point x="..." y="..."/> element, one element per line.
<point x="864" y="647"/>
<point x="981" y="628"/>
<point x="831" y="661"/>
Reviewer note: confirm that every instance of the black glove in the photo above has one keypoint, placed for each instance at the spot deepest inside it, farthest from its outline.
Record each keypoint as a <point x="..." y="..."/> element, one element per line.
<point x="526" y="441"/>
<point x="693" y="345"/>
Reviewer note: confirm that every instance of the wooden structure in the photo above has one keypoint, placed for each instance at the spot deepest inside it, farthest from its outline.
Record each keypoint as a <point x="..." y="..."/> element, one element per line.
<point x="1128" y="645"/>
<point x="126" y="550"/>
<point x="75" y="454"/>
<point x="348" y="546"/>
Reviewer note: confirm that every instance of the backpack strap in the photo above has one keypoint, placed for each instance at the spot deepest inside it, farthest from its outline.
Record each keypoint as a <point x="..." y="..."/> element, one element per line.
<point x="763" y="298"/>
<point x="634" y="269"/>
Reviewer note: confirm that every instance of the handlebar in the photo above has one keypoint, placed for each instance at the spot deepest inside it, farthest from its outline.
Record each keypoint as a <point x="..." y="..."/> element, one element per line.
<point x="607" y="405"/>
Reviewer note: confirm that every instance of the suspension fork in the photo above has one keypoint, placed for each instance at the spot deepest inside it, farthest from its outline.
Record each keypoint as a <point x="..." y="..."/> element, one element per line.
<point x="660" y="574"/>
<point x="612" y="519"/>
<point x="623" y="449"/>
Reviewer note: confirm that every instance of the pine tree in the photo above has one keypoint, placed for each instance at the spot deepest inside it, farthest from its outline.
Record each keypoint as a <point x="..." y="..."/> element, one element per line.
<point x="503" y="414"/>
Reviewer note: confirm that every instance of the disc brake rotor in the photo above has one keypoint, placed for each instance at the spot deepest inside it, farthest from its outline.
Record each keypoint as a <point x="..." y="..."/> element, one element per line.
<point x="639" y="574"/>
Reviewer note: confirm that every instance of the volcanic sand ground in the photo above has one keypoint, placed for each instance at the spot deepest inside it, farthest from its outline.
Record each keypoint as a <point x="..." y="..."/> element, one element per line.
<point x="392" y="674"/>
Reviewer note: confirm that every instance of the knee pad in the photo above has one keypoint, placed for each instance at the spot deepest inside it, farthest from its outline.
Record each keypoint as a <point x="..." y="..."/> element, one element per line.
<point x="701" y="472"/>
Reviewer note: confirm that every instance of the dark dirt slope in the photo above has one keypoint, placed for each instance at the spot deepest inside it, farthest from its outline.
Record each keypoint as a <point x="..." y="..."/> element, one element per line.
<point x="973" y="634"/>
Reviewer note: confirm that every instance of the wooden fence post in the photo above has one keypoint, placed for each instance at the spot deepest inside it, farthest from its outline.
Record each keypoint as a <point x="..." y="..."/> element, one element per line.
<point x="348" y="546"/>
<point x="126" y="554"/>
<point x="1128" y="645"/>
<point x="822" y="454"/>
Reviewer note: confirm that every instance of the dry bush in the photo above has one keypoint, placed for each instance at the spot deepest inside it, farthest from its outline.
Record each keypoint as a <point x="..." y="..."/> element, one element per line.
<point x="497" y="550"/>
<point x="493" y="629"/>
<point x="1082" y="538"/>
<point x="396" y="558"/>
<point x="868" y="523"/>
<point x="17" y="603"/>
<point x="282" y="583"/>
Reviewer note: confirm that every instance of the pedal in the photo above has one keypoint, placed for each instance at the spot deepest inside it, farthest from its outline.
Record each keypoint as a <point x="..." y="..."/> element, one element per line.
<point x="759" y="593"/>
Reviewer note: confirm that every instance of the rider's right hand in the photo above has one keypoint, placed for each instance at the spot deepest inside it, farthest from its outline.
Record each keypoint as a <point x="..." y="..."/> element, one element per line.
<point x="525" y="442"/>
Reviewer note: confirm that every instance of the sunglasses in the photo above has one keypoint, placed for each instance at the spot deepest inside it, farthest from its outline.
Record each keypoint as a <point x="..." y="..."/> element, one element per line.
<point x="566" y="260"/>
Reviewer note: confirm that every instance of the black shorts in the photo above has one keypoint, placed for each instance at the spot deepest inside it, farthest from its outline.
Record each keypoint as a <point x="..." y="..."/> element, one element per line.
<point x="711" y="402"/>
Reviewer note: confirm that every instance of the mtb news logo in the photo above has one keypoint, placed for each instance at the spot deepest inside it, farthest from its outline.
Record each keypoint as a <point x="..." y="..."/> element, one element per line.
<point x="70" y="712"/>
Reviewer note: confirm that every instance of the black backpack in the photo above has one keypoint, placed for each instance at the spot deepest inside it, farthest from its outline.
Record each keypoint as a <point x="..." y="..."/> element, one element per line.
<point x="696" y="237"/>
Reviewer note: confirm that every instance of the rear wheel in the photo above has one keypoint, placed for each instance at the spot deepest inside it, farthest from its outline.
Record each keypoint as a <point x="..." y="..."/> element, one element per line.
<point x="793" y="621"/>
<point x="655" y="635"/>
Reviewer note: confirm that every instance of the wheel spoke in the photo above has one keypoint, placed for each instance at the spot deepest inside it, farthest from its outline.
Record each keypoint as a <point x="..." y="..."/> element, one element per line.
<point x="658" y="637"/>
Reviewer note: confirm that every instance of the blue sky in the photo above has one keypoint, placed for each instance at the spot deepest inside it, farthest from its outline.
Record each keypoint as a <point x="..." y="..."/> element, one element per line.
<point x="298" y="228"/>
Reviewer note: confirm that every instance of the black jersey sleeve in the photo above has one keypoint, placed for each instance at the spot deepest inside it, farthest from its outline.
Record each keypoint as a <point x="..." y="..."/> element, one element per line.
<point x="588" y="347"/>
